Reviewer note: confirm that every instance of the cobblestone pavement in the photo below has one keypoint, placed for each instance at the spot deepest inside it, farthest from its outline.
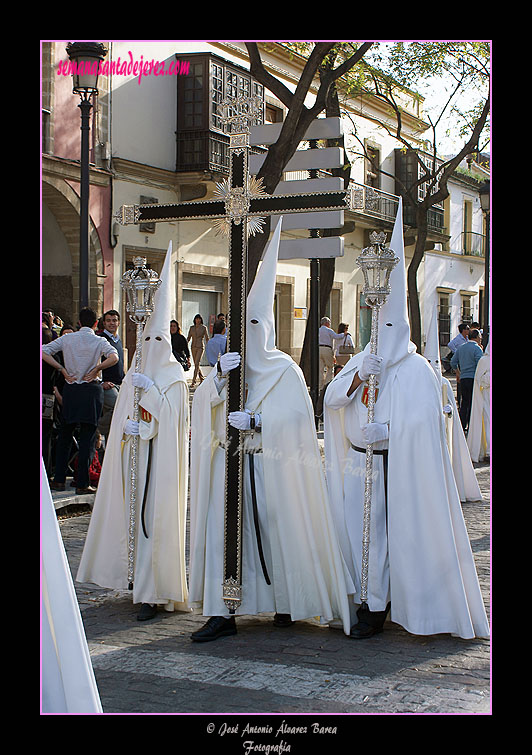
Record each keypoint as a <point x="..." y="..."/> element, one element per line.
<point x="269" y="689"/>
<point x="154" y="667"/>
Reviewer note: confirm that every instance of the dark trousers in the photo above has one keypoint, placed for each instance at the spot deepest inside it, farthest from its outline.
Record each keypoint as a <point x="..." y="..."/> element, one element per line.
<point x="465" y="403"/>
<point x="86" y="441"/>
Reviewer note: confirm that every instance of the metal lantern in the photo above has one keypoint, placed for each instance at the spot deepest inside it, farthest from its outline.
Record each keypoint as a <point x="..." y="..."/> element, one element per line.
<point x="376" y="263"/>
<point x="140" y="284"/>
<point x="87" y="57"/>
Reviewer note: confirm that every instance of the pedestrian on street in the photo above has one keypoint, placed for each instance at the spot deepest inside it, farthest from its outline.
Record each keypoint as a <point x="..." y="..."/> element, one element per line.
<point x="217" y="345"/>
<point x="179" y="345"/>
<point x="82" y="393"/>
<point x="457" y="341"/>
<point x="198" y="334"/>
<point x="464" y="362"/>
<point x="326" y="340"/>
<point x="344" y="349"/>
<point x="112" y="376"/>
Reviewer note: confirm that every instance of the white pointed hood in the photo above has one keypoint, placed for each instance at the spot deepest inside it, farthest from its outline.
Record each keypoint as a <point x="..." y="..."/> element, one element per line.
<point x="432" y="346"/>
<point x="264" y="362"/>
<point x="158" y="361"/>
<point x="394" y="342"/>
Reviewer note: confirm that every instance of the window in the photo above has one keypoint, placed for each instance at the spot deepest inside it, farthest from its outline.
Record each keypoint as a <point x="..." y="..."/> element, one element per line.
<point x="444" y="318"/>
<point x="202" y="143"/>
<point x="147" y="227"/>
<point x="193" y="97"/>
<point x="273" y="114"/>
<point x="467" y="236"/>
<point x="373" y="161"/>
<point x="467" y="309"/>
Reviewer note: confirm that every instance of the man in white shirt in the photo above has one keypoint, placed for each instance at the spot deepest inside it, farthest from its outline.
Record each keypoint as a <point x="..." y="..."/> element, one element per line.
<point x="82" y="394"/>
<point x="327" y="336"/>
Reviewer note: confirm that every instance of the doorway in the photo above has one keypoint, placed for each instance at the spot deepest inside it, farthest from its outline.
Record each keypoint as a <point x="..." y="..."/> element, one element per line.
<point x="198" y="302"/>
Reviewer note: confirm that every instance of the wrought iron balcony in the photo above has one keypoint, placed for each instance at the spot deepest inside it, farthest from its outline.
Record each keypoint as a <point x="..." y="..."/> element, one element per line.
<point x="473" y="244"/>
<point x="373" y="202"/>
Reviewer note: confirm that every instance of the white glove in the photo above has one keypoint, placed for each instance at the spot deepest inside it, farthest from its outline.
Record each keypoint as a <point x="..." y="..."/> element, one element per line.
<point x="131" y="427"/>
<point x="448" y="409"/>
<point x="371" y="365"/>
<point x="374" y="432"/>
<point x="242" y="420"/>
<point x="141" y="381"/>
<point x="229" y="361"/>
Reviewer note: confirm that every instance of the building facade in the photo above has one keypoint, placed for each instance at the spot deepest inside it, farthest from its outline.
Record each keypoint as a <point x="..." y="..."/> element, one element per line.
<point x="156" y="137"/>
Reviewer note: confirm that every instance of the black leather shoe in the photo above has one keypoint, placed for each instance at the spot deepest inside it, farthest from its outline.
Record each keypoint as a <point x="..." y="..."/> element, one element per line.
<point x="215" y="627"/>
<point x="369" y="622"/>
<point x="362" y="630"/>
<point x="147" y="611"/>
<point x="282" y="620"/>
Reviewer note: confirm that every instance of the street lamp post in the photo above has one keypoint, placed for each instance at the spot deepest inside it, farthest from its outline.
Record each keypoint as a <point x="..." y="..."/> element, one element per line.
<point x="85" y="58"/>
<point x="484" y="192"/>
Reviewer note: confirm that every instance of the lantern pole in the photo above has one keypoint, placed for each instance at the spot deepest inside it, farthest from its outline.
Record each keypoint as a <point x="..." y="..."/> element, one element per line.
<point x="140" y="285"/>
<point x="376" y="262"/>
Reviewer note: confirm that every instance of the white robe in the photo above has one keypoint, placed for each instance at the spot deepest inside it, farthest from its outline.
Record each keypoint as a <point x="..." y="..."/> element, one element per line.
<point x="423" y="563"/>
<point x="68" y="683"/>
<point x="160" y="572"/>
<point x="478" y="435"/>
<point x="308" y="575"/>
<point x="464" y="473"/>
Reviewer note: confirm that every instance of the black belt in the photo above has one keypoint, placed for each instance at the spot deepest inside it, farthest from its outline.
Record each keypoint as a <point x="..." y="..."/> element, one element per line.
<point x="326" y="345"/>
<point x="378" y="451"/>
<point x="384" y="453"/>
<point x="146" y="489"/>
<point x="251" y="452"/>
<point x="256" y="514"/>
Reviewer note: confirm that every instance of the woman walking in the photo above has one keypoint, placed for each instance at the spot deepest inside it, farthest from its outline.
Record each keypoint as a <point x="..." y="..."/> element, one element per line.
<point x="344" y="348"/>
<point x="199" y="334"/>
<point x="179" y="345"/>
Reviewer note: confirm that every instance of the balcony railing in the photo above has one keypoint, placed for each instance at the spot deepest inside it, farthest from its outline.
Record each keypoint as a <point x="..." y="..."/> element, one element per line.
<point x="374" y="202"/>
<point x="473" y="244"/>
<point x="362" y="198"/>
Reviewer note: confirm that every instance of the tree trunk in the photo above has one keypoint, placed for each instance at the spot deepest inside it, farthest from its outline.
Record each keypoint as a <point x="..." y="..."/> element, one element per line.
<point x="413" y="295"/>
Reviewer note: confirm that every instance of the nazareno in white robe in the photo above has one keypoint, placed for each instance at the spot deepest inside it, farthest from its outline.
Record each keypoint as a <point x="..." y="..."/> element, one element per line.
<point x="478" y="434"/>
<point x="304" y="561"/>
<point x="463" y="470"/>
<point x="160" y="570"/>
<point x="68" y="683"/>
<point x="464" y="473"/>
<point x="427" y="569"/>
<point x="420" y="556"/>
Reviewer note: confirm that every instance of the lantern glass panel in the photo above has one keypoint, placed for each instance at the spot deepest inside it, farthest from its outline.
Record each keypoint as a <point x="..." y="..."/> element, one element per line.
<point x="86" y="79"/>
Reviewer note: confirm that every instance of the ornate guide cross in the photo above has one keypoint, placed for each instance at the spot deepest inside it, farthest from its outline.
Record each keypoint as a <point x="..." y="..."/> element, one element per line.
<point x="239" y="210"/>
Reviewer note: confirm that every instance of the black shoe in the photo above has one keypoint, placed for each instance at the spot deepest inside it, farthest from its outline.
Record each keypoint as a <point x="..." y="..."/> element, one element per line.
<point x="216" y="626"/>
<point x="362" y="630"/>
<point x="369" y="622"/>
<point x="282" y="620"/>
<point x="147" y="611"/>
